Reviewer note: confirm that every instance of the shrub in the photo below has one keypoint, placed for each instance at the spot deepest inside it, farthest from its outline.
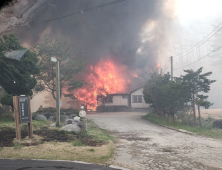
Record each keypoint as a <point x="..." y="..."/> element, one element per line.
<point x="1" y="110"/>
<point x="217" y="124"/>
<point x="69" y="111"/>
<point x="7" y="116"/>
<point x="91" y="150"/>
<point x="111" y="108"/>
<point x="18" y="146"/>
<point x="47" y="109"/>
<point x="208" y="123"/>
<point x="34" y="114"/>
<point x="77" y="143"/>
<point x="187" y="120"/>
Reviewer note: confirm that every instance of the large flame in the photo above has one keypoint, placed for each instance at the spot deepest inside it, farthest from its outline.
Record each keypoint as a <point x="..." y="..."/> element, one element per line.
<point x="104" y="77"/>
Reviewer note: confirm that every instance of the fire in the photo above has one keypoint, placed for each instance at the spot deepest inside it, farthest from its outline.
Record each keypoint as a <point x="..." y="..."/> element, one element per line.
<point x="134" y="75"/>
<point x="105" y="76"/>
<point x="158" y="65"/>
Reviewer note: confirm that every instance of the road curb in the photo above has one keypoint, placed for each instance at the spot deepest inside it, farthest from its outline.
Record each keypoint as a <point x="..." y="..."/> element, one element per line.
<point x="81" y="162"/>
<point x="117" y="167"/>
<point x="178" y="130"/>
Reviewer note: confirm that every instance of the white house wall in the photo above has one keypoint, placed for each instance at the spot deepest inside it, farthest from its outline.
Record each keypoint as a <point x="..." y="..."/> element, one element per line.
<point x="118" y="101"/>
<point x="138" y="105"/>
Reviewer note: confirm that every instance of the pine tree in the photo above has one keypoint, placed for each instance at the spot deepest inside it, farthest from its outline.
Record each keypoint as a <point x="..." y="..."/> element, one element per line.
<point x="197" y="84"/>
<point x="16" y="77"/>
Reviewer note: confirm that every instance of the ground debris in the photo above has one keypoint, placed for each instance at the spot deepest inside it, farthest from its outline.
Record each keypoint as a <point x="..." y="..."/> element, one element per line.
<point x="45" y="134"/>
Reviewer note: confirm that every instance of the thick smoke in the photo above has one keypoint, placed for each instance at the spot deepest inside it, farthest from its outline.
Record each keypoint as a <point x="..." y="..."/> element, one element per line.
<point x="118" y="31"/>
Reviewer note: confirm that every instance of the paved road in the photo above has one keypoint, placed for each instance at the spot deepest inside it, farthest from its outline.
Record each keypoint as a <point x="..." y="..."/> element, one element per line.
<point x="10" y="164"/>
<point x="144" y="145"/>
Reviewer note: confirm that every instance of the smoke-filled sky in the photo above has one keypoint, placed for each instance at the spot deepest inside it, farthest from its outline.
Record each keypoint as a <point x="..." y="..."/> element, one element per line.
<point x="134" y="33"/>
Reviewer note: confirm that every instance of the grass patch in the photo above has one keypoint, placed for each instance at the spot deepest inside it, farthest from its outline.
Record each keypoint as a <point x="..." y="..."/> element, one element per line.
<point x="18" y="146"/>
<point x="95" y="146"/>
<point x="54" y="142"/>
<point x="97" y="133"/>
<point x="91" y="150"/>
<point x="62" y="151"/>
<point x="11" y="123"/>
<point x="7" y="122"/>
<point x="207" y="131"/>
<point x="77" y="143"/>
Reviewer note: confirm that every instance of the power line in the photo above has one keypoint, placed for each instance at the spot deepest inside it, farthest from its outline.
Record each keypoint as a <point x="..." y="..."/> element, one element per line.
<point x="196" y="45"/>
<point x="200" y="58"/>
<point x="71" y="14"/>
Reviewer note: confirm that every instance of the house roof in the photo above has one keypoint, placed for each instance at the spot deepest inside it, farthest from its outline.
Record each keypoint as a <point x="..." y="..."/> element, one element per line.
<point x="117" y="94"/>
<point x="136" y="89"/>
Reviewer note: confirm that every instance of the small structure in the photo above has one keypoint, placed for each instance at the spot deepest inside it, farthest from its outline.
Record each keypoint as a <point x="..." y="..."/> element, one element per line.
<point x="133" y="99"/>
<point x="137" y="100"/>
<point x="116" y="100"/>
<point x="22" y="112"/>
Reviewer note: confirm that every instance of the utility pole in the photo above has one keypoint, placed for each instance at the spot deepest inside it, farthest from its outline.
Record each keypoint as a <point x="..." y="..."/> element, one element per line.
<point x="57" y="95"/>
<point x="171" y="59"/>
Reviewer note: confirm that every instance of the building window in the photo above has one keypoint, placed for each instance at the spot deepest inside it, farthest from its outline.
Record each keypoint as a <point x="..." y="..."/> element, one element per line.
<point x="137" y="98"/>
<point x="109" y="99"/>
<point x="124" y="97"/>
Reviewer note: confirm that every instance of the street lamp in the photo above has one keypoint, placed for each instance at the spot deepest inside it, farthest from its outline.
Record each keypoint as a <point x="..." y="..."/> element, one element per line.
<point x="53" y="59"/>
<point x="15" y="54"/>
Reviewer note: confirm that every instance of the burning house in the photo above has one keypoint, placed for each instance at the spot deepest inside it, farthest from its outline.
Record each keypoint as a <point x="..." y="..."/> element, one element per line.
<point x="116" y="39"/>
<point x="132" y="100"/>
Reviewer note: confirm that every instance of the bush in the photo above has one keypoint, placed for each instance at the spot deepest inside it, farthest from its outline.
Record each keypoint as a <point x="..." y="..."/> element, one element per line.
<point x="208" y="123"/>
<point x="69" y="111"/>
<point x="111" y="108"/>
<point x="7" y="116"/>
<point x="7" y="99"/>
<point x="47" y="109"/>
<point x="217" y="124"/>
<point x="187" y="120"/>
<point x="48" y="114"/>
<point x="34" y="114"/>
<point x="77" y="143"/>
<point x="1" y="110"/>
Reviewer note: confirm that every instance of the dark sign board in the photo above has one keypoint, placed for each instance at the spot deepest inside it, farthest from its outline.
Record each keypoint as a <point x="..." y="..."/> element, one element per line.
<point x="24" y="109"/>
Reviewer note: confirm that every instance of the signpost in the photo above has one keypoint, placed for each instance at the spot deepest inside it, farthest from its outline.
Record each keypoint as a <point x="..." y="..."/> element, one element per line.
<point x="22" y="111"/>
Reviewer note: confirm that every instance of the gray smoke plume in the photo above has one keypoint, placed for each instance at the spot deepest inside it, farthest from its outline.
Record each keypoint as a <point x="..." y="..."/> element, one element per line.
<point x="112" y="31"/>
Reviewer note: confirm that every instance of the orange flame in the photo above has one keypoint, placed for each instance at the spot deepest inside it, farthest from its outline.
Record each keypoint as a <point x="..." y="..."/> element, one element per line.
<point x="134" y="75"/>
<point x="103" y="77"/>
<point x="158" y="65"/>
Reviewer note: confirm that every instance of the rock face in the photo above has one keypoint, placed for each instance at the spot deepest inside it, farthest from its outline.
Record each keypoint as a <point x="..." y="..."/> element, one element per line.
<point x="69" y="121"/>
<point x="77" y="123"/>
<point x="63" y="118"/>
<point x="53" y="124"/>
<point x="40" y="118"/>
<point x="48" y="114"/>
<point x="52" y="118"/>
<point x="71" y="128"/>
